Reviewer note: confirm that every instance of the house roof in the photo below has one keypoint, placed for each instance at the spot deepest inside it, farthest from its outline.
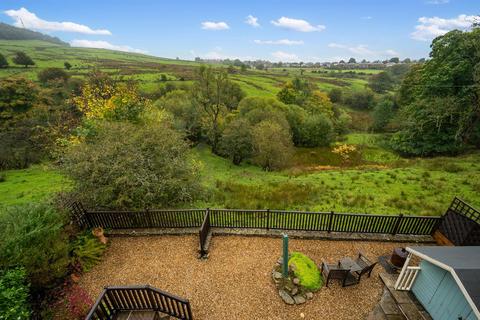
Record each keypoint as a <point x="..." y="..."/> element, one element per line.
<point x="462" y="262"/>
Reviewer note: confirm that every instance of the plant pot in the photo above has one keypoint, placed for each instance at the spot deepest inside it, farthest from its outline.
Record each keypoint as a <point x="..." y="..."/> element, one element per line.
<point x="98" y="232"/>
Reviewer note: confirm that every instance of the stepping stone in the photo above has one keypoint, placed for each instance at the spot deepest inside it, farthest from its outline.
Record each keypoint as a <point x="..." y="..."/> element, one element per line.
<point x="299" y="299"/>
<point x="286" y="297"/>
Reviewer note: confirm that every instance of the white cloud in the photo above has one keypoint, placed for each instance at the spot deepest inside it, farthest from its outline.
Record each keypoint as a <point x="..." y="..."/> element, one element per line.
<point x="29" y="20"/>
<point x="367" y="18"/>
<point x="285" y="42"/>
<point x="391" y="52"/>
<point x="253" y="21"/>
<point x="363" y="51"/>
<point x="337" y="45"/>
<point x="438" y="1"/>
<point x="103" y="45"/>
<point x="430" y="28"/>
<point x="297" y="25"/>
<point x="210" y="25"/>
<point x="284" y="56"/>
<point x="218" y="54"/>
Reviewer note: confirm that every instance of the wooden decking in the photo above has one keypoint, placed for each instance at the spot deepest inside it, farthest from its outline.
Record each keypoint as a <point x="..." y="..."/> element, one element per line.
<point x="141" y="315"/>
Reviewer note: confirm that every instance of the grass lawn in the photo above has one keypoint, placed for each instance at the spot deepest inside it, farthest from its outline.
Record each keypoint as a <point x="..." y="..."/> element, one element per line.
<point x="374" y="181"/>
<point x="377" y="182"/>
<point x="30" y="185"/>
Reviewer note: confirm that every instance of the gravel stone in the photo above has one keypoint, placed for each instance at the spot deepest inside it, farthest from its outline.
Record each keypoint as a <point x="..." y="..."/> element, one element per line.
<point x="235" y="282"/>
<point x="299" y="299"/>
<point x="286" y="297"/>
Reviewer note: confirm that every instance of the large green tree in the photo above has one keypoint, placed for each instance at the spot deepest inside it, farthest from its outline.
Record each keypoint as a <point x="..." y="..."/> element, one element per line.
<point x="22" y="59"/>
<point x="440" y="99"/>
<point x="133" y="166"/>
<point x="215" y="95"/>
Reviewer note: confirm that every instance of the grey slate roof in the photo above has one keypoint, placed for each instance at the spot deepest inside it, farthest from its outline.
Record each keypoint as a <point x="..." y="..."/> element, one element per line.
<point x="465" y="262"/>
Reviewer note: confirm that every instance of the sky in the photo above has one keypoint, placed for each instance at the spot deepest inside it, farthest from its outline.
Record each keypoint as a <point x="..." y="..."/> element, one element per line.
<point x="300" y="30"/>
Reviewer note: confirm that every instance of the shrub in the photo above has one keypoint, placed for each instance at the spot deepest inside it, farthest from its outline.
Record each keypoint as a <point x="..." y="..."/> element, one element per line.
<point x="336" y="95"/>
<point x="316" y="131"/>
<point x="3" y="61"/>
<point x="361" y="99"/>
<point x="14" y="294"/>
<point x="87" y="251"/>
<point x="272" y="145"/>
<point x="383" y="112"/>
<point x="133" y="166"/>
<point x="32" y="237"/>
<point x="236" y="142"/>
<point x="186" y="117"/>
<point x="52" y="74"/>
<point x="306" y="271"/>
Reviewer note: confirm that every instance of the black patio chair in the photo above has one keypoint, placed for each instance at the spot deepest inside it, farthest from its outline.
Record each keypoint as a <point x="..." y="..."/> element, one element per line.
<point x="335" y="271"/>
<point x="366" y="265"/>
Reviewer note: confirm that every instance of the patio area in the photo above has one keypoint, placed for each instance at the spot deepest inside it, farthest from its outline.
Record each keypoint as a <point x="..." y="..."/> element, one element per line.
<point x="235" y="282"/>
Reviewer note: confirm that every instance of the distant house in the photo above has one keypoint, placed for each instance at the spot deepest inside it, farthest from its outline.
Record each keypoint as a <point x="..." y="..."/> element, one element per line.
<point x="446" y="282"/>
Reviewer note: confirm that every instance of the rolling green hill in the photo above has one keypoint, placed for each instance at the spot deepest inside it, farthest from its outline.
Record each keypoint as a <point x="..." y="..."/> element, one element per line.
<point x="147" y="70"/>
<point x="9" y="32"/>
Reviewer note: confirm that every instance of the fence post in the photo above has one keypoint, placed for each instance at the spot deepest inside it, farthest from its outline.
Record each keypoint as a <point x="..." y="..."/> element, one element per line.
<point x="330" y="222"/>
<point x="397" y="224"/>
<point x="437" y="225"/>
<point x="268" y="218"/>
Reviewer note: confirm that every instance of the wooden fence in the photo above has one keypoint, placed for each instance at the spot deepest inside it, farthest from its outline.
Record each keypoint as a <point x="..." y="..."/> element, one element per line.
<point x="263" y="219"/>
<point x="205" y="219"/>
<point x="204" y="232"/>
<point x="461" y="224"/>
<point x="114" y="300"/>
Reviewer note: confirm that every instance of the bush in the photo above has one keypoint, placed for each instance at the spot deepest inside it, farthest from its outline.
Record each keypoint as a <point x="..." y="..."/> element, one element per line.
<point x="316" y="131"/>
<point x="32" y="237"/>
<point x="336" y="95"/>
<point x="272" y="145"/>
<point x="87" y="251"/>
<point x="133" y="166"/>
<point x="3" y="61"/>
<point x="361" y="99"/>
<point x="382" y="114"/>
<point x="236" y="142"/>
<point x="14" y="294"/>
<point x="52" y="74"/>
<point x="306" y="271"/>
<point x="186" y="117"/>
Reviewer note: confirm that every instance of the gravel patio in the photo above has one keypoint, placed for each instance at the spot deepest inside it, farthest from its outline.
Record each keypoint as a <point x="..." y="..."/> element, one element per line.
<point x="235" y="282"/>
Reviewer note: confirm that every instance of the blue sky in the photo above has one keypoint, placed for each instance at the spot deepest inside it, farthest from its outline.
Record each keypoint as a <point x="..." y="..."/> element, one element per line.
<point x="298" y="30"/>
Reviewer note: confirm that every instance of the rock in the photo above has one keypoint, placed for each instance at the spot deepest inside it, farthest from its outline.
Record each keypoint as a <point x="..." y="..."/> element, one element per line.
<point x="294" y="291"/>
<point x="277" y="275"/>
<point x="309" y="295"/>
<point x="299" y="299"/>
<point x="280" y="261"/>
<point x="296" y="280"/>
<point x="293" y="267"/>
<point x="286" y="297"/>
<point x="302" y="315"/>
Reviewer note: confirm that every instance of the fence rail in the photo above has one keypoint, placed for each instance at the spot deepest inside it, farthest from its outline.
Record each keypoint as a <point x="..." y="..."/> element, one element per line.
<point x="264" y="219"/>
<point x="118" y="299"/>
<point x="461" y="224"/>
<point x="204" y="231"/>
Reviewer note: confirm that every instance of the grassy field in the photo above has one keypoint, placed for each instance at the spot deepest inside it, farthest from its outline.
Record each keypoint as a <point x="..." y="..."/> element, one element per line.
<point x="34" y="184"/>
<point x="147" y="70"/>
<point x="374" y="181"/>
<point x="377" y="182"/>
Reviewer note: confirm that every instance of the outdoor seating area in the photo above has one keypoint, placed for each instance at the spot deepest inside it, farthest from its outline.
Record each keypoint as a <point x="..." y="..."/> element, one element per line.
<point x="235" y="281"/>
<point x="347" y="270"/>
